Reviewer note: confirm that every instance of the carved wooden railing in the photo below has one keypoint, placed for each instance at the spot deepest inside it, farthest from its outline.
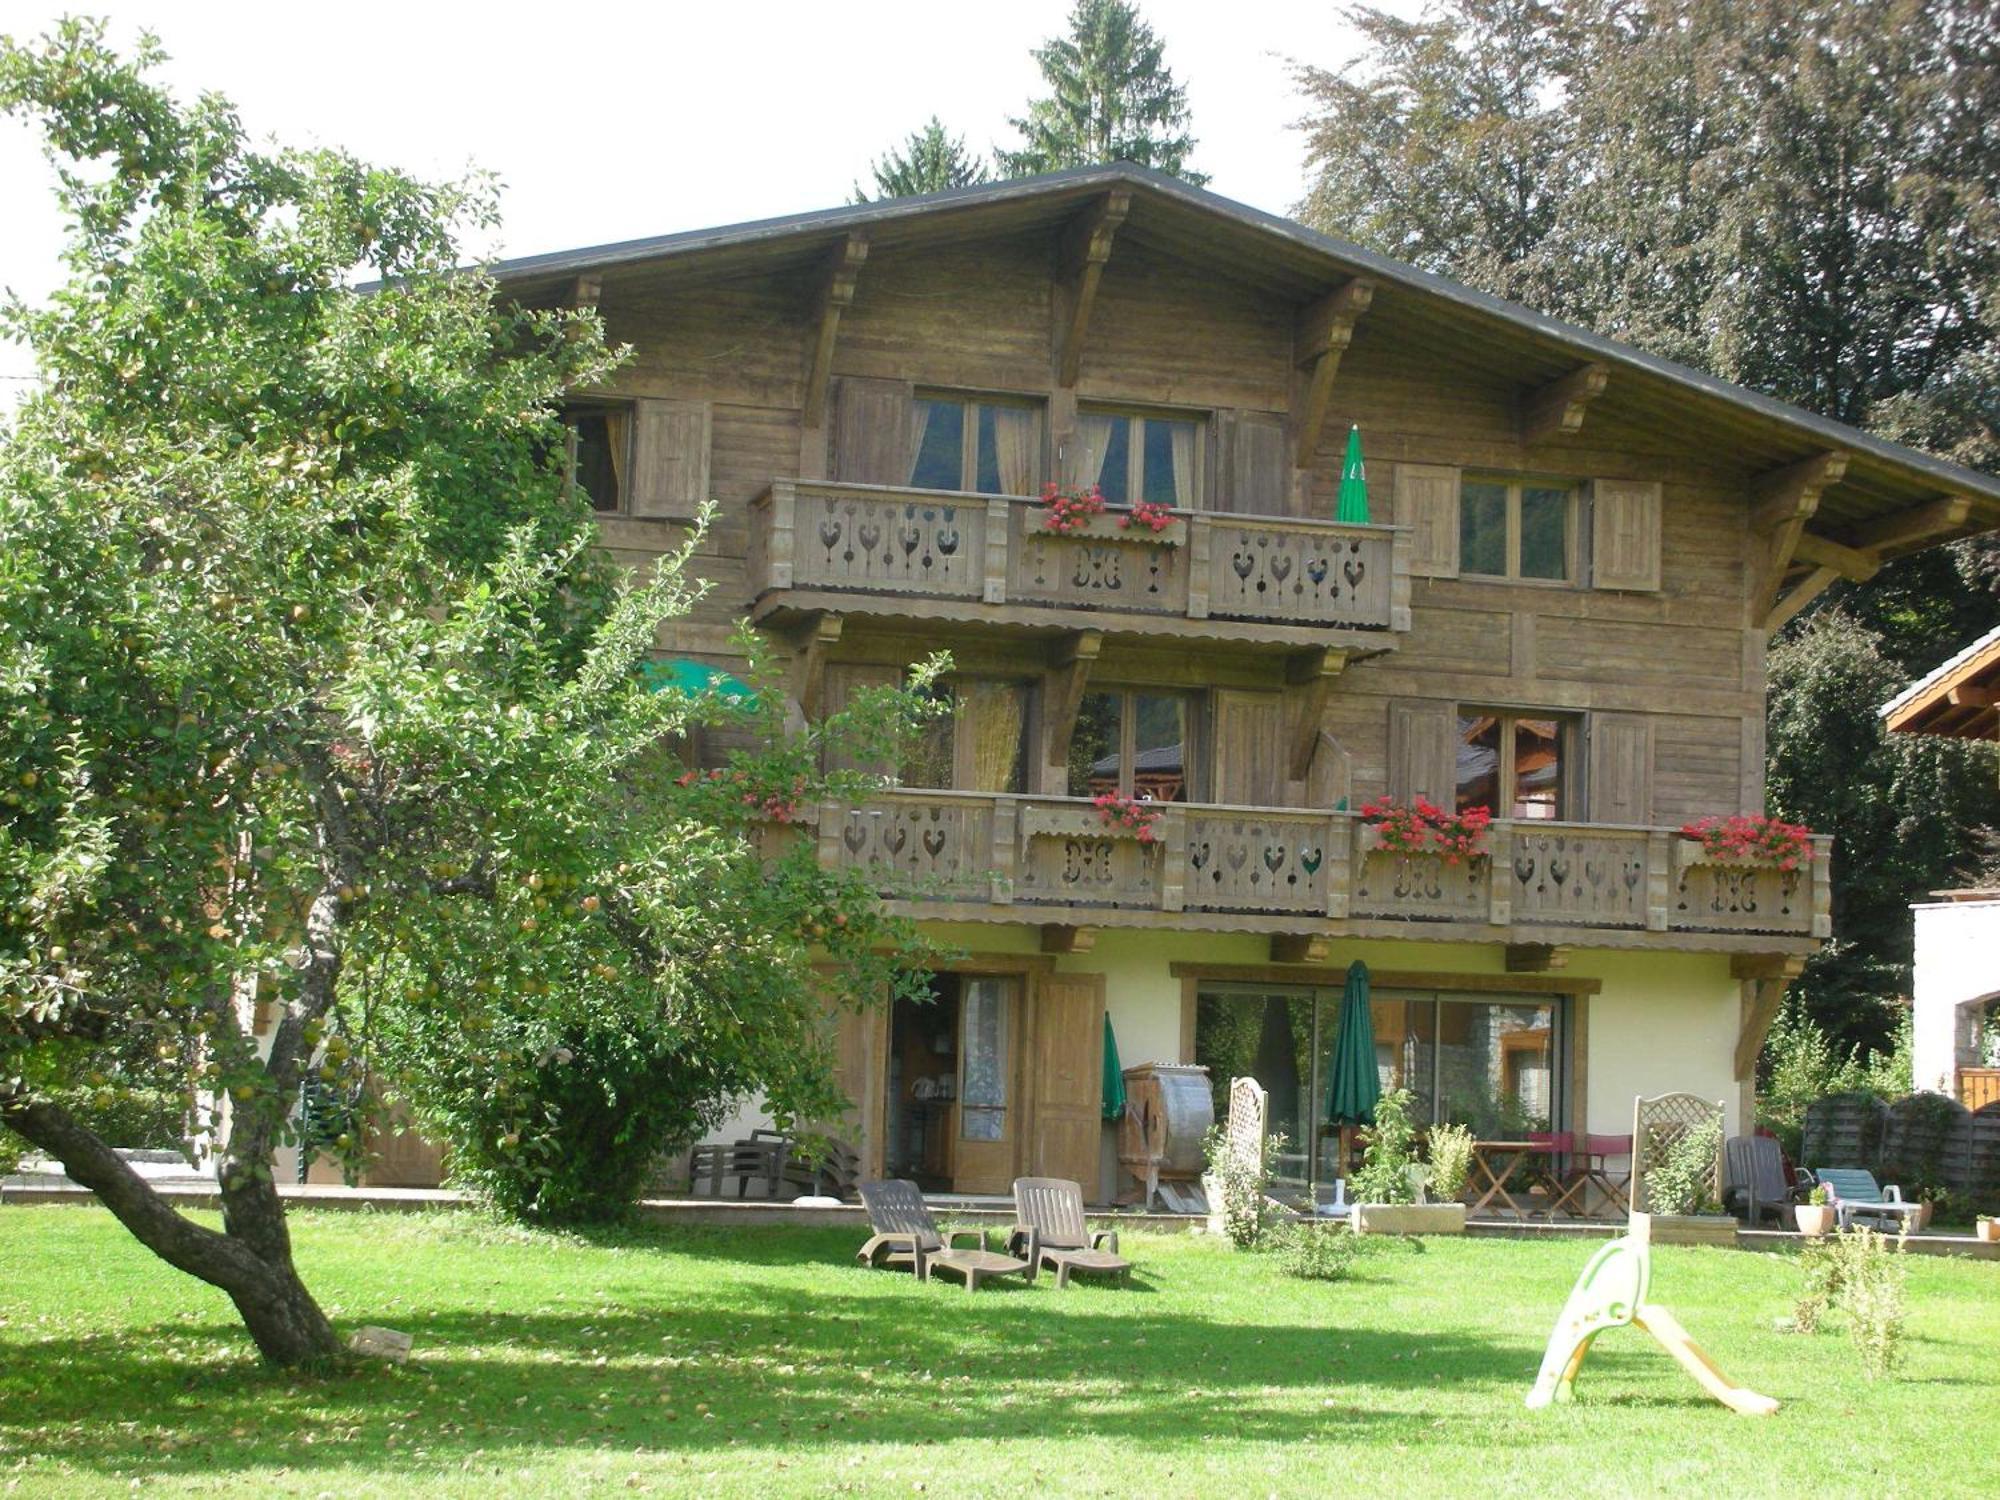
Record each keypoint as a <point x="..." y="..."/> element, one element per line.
<point x="936" y="544"/>
<point x="987" y="850"/>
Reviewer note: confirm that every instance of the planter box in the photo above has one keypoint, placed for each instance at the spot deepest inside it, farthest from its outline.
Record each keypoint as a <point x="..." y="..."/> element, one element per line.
<point x="1105" y="528"/>
<point x="1691" y="852"/>
<point x="1988" y="1231"/>
<point x="1408" y="1218"/>
<point x="1076" y="823"/>
<point x="1815" y="1219"/>
<point x="1684" y="1229"/>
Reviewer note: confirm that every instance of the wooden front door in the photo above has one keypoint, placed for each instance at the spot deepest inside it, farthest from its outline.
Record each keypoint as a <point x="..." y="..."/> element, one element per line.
<point x="1069" y="1078"/>
<point x="988" y="1116"/>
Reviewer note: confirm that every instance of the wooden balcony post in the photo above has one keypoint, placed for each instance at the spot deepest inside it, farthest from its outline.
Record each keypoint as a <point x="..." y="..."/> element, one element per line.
<point x="1341" y="864"/>
<point x="1400" y="547"/>
<point x="1659" y="878"/>
<point x="1170" y="833"/>
<point x="1006" y="847"/>
<point x="1500" y="874"/>
<point x="1820" y="873"/>
<point x="998" y="514"/>
<point x="1200" y="534"/>
<point x="778" y="550"/>
<point x="832" y="817"/>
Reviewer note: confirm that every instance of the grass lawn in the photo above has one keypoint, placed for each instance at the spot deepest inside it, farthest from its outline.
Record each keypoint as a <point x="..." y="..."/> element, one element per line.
<point x="696" y="1361"/>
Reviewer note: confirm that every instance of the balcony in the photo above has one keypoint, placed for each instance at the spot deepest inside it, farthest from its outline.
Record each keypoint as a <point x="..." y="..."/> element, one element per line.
<point x="941" y="555"/>
<point x="987" y="857"/>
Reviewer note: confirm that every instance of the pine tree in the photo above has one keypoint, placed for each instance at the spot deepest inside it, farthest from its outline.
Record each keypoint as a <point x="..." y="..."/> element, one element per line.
<point x="930" y="161"/>
<point x="1112" y="98"/>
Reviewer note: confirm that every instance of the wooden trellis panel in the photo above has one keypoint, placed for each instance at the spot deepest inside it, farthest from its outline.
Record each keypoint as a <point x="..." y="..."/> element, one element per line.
<point x="1656" y="1124"/>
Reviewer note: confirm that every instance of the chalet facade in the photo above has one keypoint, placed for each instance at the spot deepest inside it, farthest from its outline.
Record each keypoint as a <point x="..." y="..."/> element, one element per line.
<point x="1557" y="610"/>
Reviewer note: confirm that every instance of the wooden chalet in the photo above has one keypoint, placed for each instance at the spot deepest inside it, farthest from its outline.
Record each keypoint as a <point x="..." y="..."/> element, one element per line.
<point x="1557" y="610"/>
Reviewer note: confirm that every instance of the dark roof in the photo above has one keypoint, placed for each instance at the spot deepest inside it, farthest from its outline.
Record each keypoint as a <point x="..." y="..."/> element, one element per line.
<point x="1294" y="251"/>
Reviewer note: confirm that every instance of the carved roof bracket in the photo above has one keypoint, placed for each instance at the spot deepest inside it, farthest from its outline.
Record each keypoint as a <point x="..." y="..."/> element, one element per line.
<point x="1086" y="246"/>
<point x="1319" y="338"/>
<point x="833" y="296"/>
<point x="1556" y="409"/>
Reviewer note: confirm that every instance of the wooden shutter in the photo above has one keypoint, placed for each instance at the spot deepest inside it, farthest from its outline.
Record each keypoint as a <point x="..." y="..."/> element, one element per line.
<point x="669" y="458"/>
<point x="1257" y="473"/>
<point x="1621" y="769"/>
<point x="1249" y="749"/>
<point x="1069" y="1078"/>
<point x="1625" y="534"/>
<point x="1423" y="751"/>
<point x="1426" y="500"/>
<point x="871" y="437"/>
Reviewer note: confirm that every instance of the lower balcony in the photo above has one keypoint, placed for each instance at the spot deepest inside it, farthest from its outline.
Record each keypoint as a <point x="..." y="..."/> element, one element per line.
<point x="974" y="856"/>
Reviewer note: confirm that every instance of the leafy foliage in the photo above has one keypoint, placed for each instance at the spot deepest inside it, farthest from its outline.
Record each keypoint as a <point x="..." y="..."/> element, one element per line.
<point x="1451" y="1161"/>
<point x="1861" y="1271"/>
<point x="930" y="161"/>
<point x="1384" y="1176"/>
<point x="1241" y="1184"/>
<point x="1316" y="1249"/>
<point x="1803" y="1065"/>
<point x="1111" y="98"/>
<point x="1682" y="1181"/>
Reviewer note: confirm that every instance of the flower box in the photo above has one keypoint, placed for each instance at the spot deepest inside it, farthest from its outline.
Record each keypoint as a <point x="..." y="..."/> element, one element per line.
<point x="1407" y="1218"/>
<point x="1073" y="823"/>
<point x="1105" y="528"/>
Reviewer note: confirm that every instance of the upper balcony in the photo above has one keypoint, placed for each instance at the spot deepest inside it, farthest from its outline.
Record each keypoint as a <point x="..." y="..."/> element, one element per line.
<point x="818" y="546"/>
<point x="1054" y="860"/>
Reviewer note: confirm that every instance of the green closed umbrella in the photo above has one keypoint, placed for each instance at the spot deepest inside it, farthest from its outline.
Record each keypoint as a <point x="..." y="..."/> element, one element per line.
<point x="1355" y="1085"/>
<point x="1114" y="1075"/>
<point x="1353" y="483"/>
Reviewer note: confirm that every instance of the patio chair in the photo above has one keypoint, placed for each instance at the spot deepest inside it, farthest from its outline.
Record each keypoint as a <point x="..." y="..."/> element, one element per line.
<point x="1048" y="1214"/>
<point x="1753" y="1175"/>
<point x="1558" y="1171"/>
<point x="1595" y="1159"/>
<point x="907" y="1235"/>
<point x="1856" y="1196"/>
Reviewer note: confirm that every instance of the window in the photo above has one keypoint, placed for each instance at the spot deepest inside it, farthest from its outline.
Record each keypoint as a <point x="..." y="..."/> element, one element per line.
<point x="1514" y="528"/>
<point x="599" y="451"/>
<point x="1133" y="741"/>
<point x="1135" y="457"/>
<point x="981" y="746"/>
<point x="982" y="445"/>
<point x="1514" y="764"/>
<point x="984" y="1047"/>
<point x="1491" y="1065"/>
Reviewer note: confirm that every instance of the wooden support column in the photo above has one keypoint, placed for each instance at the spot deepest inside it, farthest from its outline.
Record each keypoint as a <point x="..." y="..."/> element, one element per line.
<point x="1086" y="246"/>
<point x="1309" y="676"/>
<point x="1781" y="504"/>
<point x="1321" y="335"/>
<point x="1068" y="676"/>
<point x="1557" y="408"/>
<point x="1764" y="978"/>
<point x="810" y="644"/>
<point x="833" y="296"/>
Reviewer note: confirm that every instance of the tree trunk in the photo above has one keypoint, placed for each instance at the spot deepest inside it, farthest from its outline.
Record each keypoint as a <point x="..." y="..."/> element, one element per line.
<point x="251" y="1260"/>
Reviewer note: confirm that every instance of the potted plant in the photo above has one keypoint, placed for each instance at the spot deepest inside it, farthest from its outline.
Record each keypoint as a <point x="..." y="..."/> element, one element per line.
<point x="1680" y="1193"/>
<point x="1816" y="1214"/>
<point x="1748" y="839"/>
<point x="1987" y="1227"/>
<point x="1386" y="1189"/>
<point x="1082" y="513"/>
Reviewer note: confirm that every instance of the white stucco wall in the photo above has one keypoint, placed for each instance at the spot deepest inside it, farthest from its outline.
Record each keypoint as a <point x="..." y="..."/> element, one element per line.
<point x="1958" y="962"/>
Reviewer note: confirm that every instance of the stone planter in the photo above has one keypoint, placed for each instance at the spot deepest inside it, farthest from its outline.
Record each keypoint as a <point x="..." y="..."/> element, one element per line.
<point x="1683" y="1229"/>
<point x="1988" y="1231"/>
<point x="1815" y="1219"/>
<point x="1407" y="1218"/>
<point x="1105" y="528"/>
<point x="1921" y="1219"/>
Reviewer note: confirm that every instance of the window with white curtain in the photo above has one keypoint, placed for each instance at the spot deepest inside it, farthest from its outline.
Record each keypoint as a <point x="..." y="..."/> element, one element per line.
<point x="984" y="1048"/>
<point x="1134" y="456"/>
<point x="983" y="445"/>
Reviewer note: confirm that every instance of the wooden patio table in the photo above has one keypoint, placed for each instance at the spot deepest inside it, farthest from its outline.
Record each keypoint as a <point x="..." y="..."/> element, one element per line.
<point x="1493" y="1164"/>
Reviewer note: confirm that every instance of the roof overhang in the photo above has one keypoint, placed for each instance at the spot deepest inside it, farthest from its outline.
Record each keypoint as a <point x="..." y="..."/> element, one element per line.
<point x="1960" y="699"/>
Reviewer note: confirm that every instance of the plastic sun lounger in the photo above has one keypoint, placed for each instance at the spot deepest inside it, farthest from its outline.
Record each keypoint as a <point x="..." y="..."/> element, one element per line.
<point x="1049" y="1211"/>
<point x="1856" y="1196"/>
<point x="907" y="1235"/>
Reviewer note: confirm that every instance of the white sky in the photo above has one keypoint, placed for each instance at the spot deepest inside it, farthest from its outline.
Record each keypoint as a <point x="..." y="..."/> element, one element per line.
<point x="616" y="120"/>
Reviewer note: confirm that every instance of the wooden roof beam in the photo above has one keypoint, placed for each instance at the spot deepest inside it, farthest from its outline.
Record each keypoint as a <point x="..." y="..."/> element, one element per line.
<point x="1309" y="677"/>
<point x="1086" y="246"/>
<point x="582" y="293"/>
<point x="1913" y="528"/>
<point x="1069" y="676"/>
<point x="1970" y="696"/>
<point x="1781" y="504"/>
<point x="1850" y="563"/>
<point x="1320" y="336"/>
<point x="1557" y="408"/>
<point x="1803" y="593"/>
<point x="834" y="295"/>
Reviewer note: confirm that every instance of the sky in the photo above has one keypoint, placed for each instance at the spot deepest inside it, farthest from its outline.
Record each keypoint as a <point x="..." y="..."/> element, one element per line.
<point x="614" y="121"/>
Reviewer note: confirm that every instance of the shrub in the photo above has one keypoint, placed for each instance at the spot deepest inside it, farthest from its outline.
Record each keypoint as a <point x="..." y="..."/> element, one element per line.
<point x="1240" y="1183"/>
<point x="1451" y="1161"/>
<point x="1860" y="1271"/>
<point x="1316" y="1249"/>
<point x="1385" y="1166"/>
<point x="1683" y="1182"/>
<point x="139" y="1119"/>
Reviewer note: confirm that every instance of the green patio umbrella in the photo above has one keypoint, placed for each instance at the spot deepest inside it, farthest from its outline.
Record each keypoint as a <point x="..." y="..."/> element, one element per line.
<point x="1353" y="482"/>
<point x="1355" y="1085"/>
<point x="684" y="674"/>
<point x="1114" y="1075"/>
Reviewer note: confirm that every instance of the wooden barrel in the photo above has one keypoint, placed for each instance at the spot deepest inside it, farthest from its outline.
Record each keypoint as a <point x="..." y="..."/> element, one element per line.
<point x="1168" y="1109"/>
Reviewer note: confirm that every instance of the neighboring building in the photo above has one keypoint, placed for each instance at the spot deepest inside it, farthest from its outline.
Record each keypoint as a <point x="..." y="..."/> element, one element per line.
<point x="1956" y="982"/>
<point x="1559" y="612"/>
